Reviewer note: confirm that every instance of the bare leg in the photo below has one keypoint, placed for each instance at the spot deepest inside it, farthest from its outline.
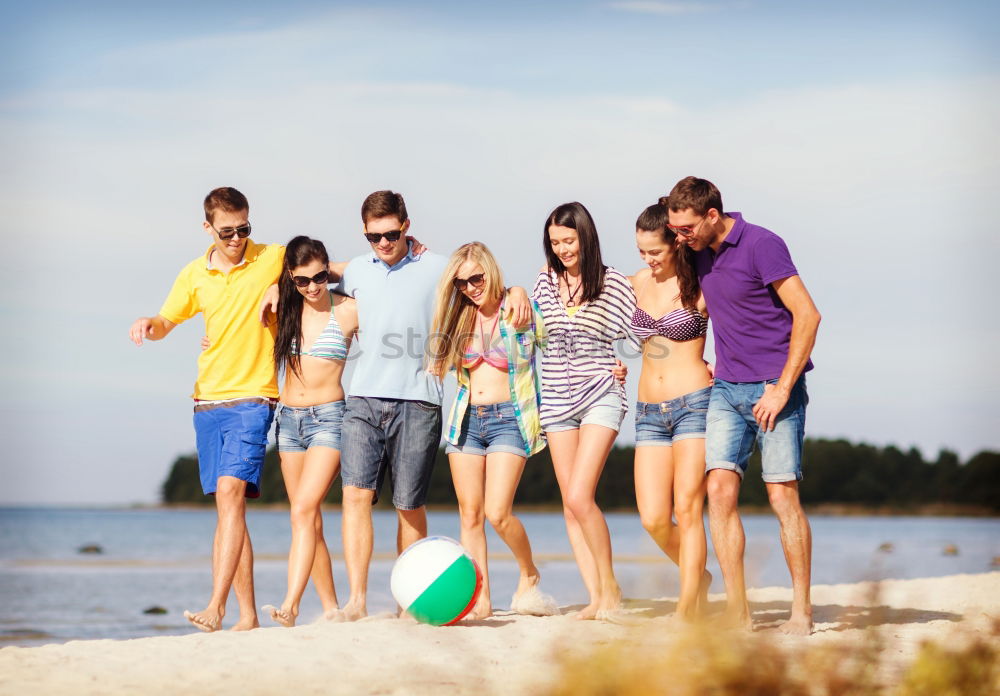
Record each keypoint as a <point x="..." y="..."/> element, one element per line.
<point x="563" y="447"/>
<point x="654" y="476"/>
<point x="796" y="541"/>
<point x="468" y="473"/>
<point x="230" y="538"/>
<point x="358" y="539"/>
<point x="322" y="571"/>
<point x="594" y="444"/>
<point x="243" y="587"/>
<point x="689" y="502"/>
<point x="307" y="478"/>
<point x="411" y="527"/>
<point x="729" y="541"/>
<point x="503" y="473"/>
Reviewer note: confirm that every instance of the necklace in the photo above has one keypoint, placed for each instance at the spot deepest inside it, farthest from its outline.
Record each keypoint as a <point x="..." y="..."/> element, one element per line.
<point x="486" y="343"/>
<point x="570" y="302"/>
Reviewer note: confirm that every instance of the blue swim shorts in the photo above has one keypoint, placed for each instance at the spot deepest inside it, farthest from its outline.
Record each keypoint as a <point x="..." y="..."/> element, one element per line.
<point x="232" y="439"/>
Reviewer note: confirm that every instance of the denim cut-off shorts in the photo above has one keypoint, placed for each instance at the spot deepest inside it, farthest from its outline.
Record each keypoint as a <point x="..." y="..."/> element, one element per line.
<point x="301" y="427"/>
<point x="663" y="424"/>
<point x="608" y="411"/>
<point x="732" y="431"/>
<point x="487" y="429"/>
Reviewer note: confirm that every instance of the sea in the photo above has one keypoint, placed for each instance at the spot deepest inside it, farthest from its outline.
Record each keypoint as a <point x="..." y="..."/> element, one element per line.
<point x="53" y="591"/>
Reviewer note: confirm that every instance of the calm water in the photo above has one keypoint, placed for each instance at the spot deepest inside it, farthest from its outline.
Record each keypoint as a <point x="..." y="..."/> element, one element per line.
<point x="49" y="592"/>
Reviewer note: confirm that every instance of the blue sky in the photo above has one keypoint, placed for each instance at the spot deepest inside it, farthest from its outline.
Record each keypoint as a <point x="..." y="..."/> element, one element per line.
<point x="862" y="132"/>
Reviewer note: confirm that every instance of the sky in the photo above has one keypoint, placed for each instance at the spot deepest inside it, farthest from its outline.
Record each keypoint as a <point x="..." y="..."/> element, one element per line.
<point x="863" y="133"/>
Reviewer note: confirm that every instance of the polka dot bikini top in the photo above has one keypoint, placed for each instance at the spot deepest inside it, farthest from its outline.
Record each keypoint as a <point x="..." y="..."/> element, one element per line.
<point x="679" y="325"/>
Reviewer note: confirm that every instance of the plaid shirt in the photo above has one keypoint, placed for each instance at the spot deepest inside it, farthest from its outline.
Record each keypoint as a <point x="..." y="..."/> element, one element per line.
<point x="525" y="387"/>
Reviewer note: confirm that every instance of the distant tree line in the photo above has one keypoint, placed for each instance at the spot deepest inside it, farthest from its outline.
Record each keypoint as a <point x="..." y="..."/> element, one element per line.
<point x="836" y="472"/>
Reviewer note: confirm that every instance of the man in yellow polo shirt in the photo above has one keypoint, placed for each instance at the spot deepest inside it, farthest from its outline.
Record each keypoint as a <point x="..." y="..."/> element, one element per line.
<point x="236" y="390"/>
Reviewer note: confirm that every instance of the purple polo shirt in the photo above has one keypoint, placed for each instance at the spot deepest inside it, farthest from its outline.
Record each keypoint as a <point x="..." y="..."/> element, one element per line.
<point x="751" y="326"/>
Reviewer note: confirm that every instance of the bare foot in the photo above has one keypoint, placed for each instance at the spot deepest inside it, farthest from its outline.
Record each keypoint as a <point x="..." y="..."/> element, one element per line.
<point x="354" y="612"/>
<point x="246" y="624"/>
<point x="701" y="606"/>
<point x="798" y="625"/>
<point x="333" y="615"/>
<point x="204" y="621"/>
<point x="282" y="616"/>
<point x="611" y="600"/>
<point x="587" y="613"/>
<point x="737" y="619"/>
<point x="532" y="602"/>
<point x="482" y="610"/>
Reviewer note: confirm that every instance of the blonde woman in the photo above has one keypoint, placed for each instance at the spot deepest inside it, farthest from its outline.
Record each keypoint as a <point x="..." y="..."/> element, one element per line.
<point x="493" y="426"/>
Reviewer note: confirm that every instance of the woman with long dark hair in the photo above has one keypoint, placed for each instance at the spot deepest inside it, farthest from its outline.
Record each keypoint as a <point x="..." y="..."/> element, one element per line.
<point x="586" y="306"/>
<point x="315" y="327"/>
<point x="670" y="321"/>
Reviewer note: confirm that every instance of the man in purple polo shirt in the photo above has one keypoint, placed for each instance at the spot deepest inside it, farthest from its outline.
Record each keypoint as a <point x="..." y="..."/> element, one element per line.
<point x="765" y="324"/>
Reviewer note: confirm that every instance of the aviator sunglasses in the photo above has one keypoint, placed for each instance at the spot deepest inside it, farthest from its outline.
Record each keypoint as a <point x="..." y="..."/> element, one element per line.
<point x="473" y="280"/>
<point x="226" y="233"/>
<point x="303" y="281"/>
<point x="376" y="237"/>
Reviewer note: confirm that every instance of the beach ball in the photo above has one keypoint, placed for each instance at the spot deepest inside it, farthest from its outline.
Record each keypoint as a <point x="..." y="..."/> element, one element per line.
<point x="435" y="581"/>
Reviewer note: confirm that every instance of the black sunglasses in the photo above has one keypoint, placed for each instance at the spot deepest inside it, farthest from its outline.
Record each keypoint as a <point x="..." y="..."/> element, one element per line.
<point x="226" y="233"/>
<point x="303" y="281"/>
<point x="475" y="281"/>
<point x="376" y="237"/>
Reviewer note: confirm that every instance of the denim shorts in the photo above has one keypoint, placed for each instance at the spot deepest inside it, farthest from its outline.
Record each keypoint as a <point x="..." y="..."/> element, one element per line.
<point x="232" y="439"/>
<point x="732" y="431"/>
<point x="395" y="435"/>
<point x="608" y="411"/>
<point x="301" y="427"/>
<point x="663" y="424"/>
<point x="488" y="429"/>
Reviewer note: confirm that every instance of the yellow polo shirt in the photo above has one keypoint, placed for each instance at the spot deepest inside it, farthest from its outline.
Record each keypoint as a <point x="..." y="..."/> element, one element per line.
<point x="240" y="360"/>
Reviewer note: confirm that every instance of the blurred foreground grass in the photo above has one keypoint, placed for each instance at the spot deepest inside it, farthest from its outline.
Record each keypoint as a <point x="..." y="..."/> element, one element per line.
<point x="709" y="662"/>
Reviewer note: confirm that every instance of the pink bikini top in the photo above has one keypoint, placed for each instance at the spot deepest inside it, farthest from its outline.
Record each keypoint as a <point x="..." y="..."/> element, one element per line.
<point x="496" y="357"/>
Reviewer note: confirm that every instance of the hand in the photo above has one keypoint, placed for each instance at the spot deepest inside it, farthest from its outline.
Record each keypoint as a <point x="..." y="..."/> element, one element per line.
<point x="416" y="247"/>
<point x="206" y="343"/>
<point x="269" y="305"/>
<point x="141" y="328"/>
<point x="766" y="411"/>
<point x="620" y="371"/>
<point x="518" y="307"/>
<point x="711" y="371"/>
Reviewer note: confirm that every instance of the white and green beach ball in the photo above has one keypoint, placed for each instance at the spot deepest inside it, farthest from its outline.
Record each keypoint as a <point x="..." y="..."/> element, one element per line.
<point x="435" y="581"/>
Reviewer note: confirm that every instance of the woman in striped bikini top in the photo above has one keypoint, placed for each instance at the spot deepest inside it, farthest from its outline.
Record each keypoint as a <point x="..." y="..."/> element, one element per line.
<point x="673" y="396"/>
<point x="682" y="324"/>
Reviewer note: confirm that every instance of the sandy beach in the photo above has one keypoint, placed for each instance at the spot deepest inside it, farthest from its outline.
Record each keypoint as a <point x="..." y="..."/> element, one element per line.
<point x="504" y="654"/>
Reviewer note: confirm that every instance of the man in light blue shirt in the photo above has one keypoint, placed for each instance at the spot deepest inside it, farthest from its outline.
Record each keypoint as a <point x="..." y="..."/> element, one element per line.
<point x="393" y="416"/>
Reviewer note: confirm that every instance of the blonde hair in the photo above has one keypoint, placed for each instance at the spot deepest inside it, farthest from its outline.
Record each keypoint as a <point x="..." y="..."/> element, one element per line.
<point x="454" y="313"/>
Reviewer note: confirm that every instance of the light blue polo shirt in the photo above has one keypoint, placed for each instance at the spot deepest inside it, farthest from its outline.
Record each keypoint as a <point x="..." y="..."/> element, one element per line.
<point x="395" y="311"/>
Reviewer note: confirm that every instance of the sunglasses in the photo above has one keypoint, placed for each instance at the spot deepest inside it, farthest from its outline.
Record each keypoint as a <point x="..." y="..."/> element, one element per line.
<point x="304" y="281"/>
<point x="226" y="233"/>
<point x="376" y="237"/>
<point x="475" y="281"/>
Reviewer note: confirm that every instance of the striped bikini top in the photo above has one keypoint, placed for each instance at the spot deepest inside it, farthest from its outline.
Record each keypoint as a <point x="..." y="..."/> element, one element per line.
<point x="330" y="344"/>
<point x="682" y="324"/>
